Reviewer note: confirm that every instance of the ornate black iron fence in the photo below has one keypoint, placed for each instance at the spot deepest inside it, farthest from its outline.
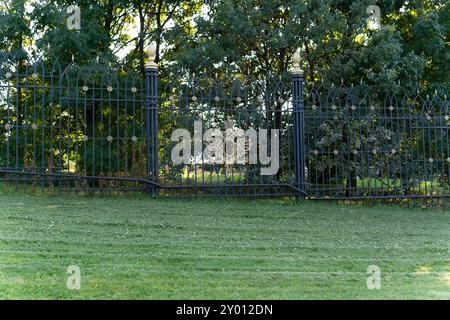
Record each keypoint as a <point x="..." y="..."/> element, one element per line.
<point x="94" y="128"/>
<point x="78" y="128"/>
<point x="374" y="142"/>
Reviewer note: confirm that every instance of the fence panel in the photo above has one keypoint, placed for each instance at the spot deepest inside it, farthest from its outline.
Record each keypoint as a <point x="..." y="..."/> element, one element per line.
<point x="230" y="109"/>
<point x="367" y="142"/>
<point x="81" y="128"/>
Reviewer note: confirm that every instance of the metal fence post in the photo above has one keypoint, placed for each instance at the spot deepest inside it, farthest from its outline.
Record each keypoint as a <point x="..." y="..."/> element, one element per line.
<point x="297" y="100"/>
<point x="151" y="118"/>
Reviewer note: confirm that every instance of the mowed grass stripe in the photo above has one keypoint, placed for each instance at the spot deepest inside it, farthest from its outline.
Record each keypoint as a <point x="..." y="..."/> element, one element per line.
<point x="227" y="248"/>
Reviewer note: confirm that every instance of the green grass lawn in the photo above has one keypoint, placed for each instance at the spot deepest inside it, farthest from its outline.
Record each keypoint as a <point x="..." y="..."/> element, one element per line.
<point x="142" y="248"/>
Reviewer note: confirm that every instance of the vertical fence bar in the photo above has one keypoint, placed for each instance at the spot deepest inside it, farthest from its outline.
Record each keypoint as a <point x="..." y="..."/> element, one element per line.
<point x="299" y="133"/>
<point x="151" y="119"/>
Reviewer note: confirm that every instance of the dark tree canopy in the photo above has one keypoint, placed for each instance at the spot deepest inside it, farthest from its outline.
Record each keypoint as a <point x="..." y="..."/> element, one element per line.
<point x="247" y="37"/>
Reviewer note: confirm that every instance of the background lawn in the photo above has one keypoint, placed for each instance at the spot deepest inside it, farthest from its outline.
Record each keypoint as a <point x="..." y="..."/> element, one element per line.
<point x="142" y="248"/>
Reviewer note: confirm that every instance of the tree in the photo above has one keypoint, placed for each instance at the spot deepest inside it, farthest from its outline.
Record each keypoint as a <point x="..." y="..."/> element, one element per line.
<point x="15" y="32"/>
<point x="154" y="20"/>
<point x="425" y="29"/>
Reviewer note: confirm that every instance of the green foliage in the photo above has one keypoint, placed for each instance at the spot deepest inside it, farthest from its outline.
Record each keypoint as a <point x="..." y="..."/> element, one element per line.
<point x="253" y="38"/>
<point x="248" y="37"/>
